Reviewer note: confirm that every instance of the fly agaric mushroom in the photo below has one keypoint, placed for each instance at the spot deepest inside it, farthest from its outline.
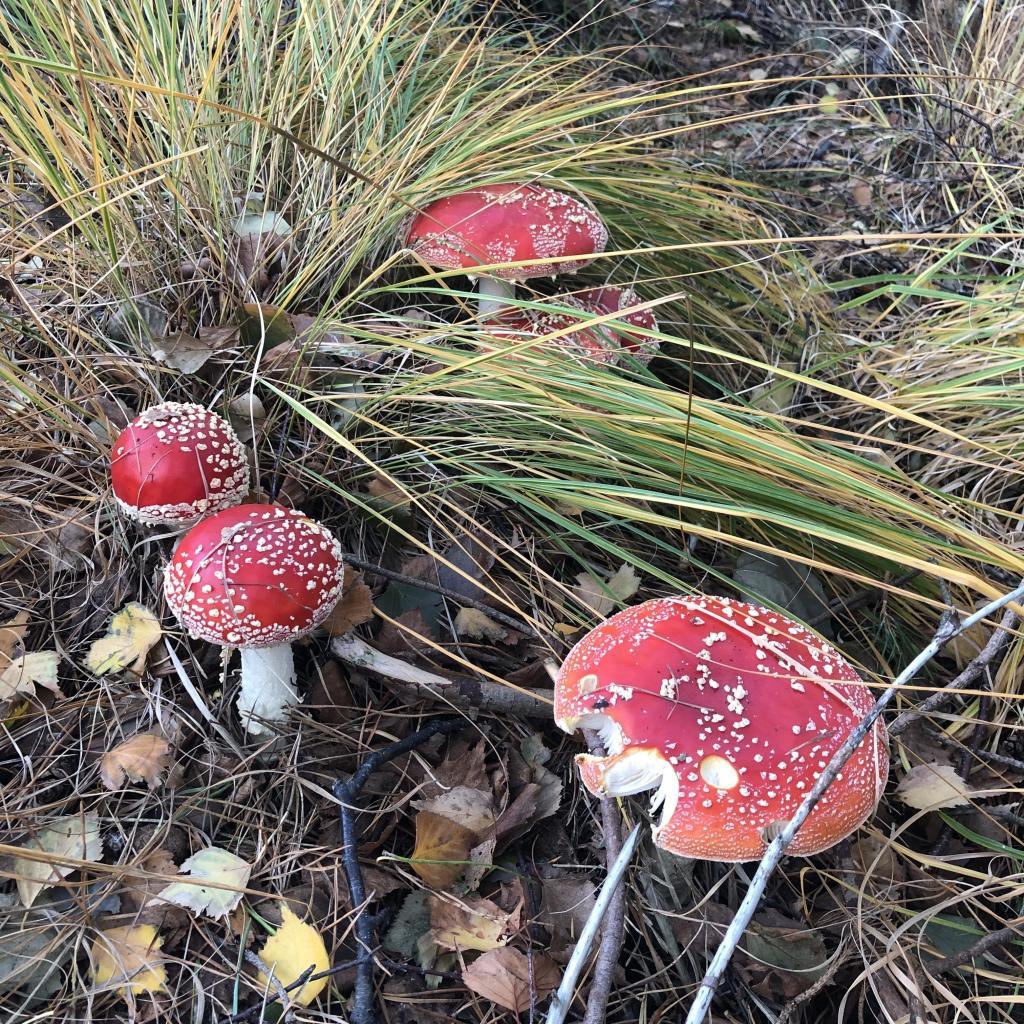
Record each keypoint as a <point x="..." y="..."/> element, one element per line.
<point x="256" y="577"/>
<point x="174" y="463"/>
<point x="730" y="710"/>
<point x="507" y="224"/>
<point x="641" y="347"/>
<point x="584" y="342"/>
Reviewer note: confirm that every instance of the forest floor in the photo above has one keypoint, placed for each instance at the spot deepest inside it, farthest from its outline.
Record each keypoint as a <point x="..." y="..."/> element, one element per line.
<point x="821" y="202"/>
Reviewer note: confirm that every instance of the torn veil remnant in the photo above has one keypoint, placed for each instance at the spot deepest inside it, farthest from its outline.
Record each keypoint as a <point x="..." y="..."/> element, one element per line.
<point x="730" y="712"/>
<point x="175" y="463"/>
<point x="256" y="577"/>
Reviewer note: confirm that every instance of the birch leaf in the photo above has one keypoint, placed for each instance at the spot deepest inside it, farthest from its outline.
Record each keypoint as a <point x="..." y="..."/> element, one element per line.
<point x="133" y="631"/>
<point x="228" y="873"/>
<point x="604" y="597"/>
<point x="503" y="976"/>
<point x="932" y="786"/>
<point x="76" y="837"/>
<point x="129" y="957"/>
<point x="290" y="952"/>
<point x="27" y="672"/>
<point x="442" y="848"/>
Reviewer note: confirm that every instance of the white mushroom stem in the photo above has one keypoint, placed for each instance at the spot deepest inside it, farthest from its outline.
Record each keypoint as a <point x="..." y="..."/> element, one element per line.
<point x="494" y="294"/>
<point x="268" y="687"/>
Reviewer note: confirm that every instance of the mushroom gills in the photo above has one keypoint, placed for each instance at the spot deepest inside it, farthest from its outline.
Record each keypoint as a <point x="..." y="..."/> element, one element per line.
<point x="634" y="771"/>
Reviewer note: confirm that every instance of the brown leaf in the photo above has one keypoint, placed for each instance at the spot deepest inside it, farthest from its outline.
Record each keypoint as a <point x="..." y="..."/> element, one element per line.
<point x="520" y="815"/>
<point x="481" y="860"/>
<point x="386" y="491"/>
<point x="354" y="608"/>
<point x="503" y="977"/>
<point x="393" y="639"/>
<point x="12" y="633"/>
<point x="471" y="808"/>
<point x="330" y="694"/>
<point x="142" y="758"/>
<point x="476" y="625"/>
<point x="442" y="849"/>
<point x="463" y="765"/>
<point x="471" y="924"/>
<point x="182" y="351"/>
<point x="565" y="905"/>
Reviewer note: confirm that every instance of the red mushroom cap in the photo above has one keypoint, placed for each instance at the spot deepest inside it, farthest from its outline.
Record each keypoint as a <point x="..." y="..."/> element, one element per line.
<point x="506" y="224"/>
<point x="584" y="342"/>
<point x="732" y="711"/>
<point x="611" y="300"/>
<point x="254" y="576"/>
<point x="175" y="463"/>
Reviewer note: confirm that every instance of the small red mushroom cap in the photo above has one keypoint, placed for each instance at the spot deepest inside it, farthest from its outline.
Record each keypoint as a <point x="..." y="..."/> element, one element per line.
<point x="508" y="224"/>
<point x="610" y="300"/>
<point x="730" y="710"/>
<point x="254" y="576"/>
<point x="584" y="342"/>
<point x="175" y="463"/>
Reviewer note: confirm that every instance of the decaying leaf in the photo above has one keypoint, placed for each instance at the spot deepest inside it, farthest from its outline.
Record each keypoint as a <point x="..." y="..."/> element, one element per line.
<point x="471" y="923"/>
<point x="24" y="674"/>
<point x="133" y="631"/>
<point x="477" y="625"/>
<point x="142" y="758"/>
<point x="227" y="874"/>
<point x="183" y="351"/>
<point x="603" y="598"/>
<point x="442" y="849"/>
<point x="387" y="491"/>
<point x="76" y="837"/>
<point x="32" y="953"/>
<point x="780" y="581"/>
<point x="471" y="808"/>
<point x="565" y="905"/>
<point x="130" y="958"/>
<point x="481" y="860"/>
<point x="463" y="765"/>
<point x="354" y="608"/>
<point x="12" y="633"/>
<point x="503" y="976"/>
<point x="783" y="957"/>
<point x="932" y="786"/>
<point x="411" y="923"/>
<point x="290" y="952"/>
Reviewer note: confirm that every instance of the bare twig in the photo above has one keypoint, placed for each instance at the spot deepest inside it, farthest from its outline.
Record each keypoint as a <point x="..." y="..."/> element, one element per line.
<point x="347" y="793"/>
<point x="272" y="979"/>
<point x="983" y="945"/>
<point x="996" y="642"/>
<point x="777" y="848"/>
<point x="460" y="692"/>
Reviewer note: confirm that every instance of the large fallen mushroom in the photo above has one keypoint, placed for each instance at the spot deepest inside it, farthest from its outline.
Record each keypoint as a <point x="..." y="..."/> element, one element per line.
<point x="729" y="711"/>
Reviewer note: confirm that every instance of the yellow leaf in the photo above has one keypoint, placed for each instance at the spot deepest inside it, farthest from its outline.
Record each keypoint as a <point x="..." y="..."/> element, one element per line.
<point x="470" y="924"/>
<point x="133" y="631"/>
<point x="931" y="786"/>
<point x="442" y="849"/>
<point x="76" y="837"/>
<point x="228" y="874"/>
<point x="140" y="759"/>
<point x="131" y="958"/>
<point x="12" y="633"/>
<point x="290" y="952"/>
<point x="507" y="978"/>
<point x="24" y="674"/>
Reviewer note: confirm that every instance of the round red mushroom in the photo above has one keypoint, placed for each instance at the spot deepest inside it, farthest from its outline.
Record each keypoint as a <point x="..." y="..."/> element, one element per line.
<point x="175" y="463"/>
<point x="507" y="224"/>
<point x="583" y="342"/>
<point x="641" y="347"/>
<point x="730" y="711"/>
<point x="256" y="577"/>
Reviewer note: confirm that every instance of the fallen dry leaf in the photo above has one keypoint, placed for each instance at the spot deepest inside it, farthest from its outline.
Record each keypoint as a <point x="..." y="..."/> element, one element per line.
<point x="12" y="633"/>
<point x="471" y="924"/>
<point x="463" y="765"/>
<point x="133" y="631"/>
<point x="354" y="608"/>
<point x="481" y="860"/>
<point x="24" y="674"/>
<point x="76" y="837"/>
<point x="565" y="905"/>
<point x="290" y="952"/>
<point x="932" y="786"/>
<point x="387" y="491"/>
<point x="183" y="351"/>
<point x="503" y="977"/>
<point x="442" y="849"/>
<point x="475" y="624"/>
<point x="129" y="957"/>
<point x="471" y="808"/>
<point x="143" y="758"/>
<point x="604" y="597"/>
<point x="228" y="873"/>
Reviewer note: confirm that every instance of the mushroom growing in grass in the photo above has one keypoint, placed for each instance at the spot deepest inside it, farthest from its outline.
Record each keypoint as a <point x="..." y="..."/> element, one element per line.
<point x="175" y="463"/>
<point x="591" y="344"/>
<point x="256" y="577"/>
<point x="729" y="711"/>
<point x="608" y="299"/>
<point x="507" y="224"/>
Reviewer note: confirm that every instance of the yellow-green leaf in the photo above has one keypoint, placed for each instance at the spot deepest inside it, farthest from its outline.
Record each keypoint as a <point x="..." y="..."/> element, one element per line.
<point x="133" y="631"/>
<point x="76" y="837"/>
<point x="228" y="876"/>
<point x="129" y="957"/>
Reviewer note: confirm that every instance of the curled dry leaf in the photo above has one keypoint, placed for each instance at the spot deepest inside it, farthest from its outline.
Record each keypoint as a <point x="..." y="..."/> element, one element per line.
<point x="24" y="674"/>
<point x="130" y="959"/>
<point x="291" y="951"/>
<point x="142" y="758"/>
<point x="471" y="923"/>
<point x="471" y="808"/>
<point x="605" y="597"/>
<point x="933" y="786"/>
<point x="442" y="849"/>
<point x="216" y="884"/>
<point x="74" y="838"/>
<point x="133" y="631"/>
<point x="503" y="976"/>
<point x="354" y="608"/>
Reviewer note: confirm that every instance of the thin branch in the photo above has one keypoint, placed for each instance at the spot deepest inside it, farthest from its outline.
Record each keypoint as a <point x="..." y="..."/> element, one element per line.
<point x="777" y="848"/>
<point x="460" y="692"/>
<point x="272" y="980"/>
<point x="983" y="945"/>
<point x="347" y="794"/>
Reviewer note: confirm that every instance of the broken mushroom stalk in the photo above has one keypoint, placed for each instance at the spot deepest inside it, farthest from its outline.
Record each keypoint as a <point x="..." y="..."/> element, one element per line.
<point x="256" y="577"/>
<point x="507" y="224"/>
